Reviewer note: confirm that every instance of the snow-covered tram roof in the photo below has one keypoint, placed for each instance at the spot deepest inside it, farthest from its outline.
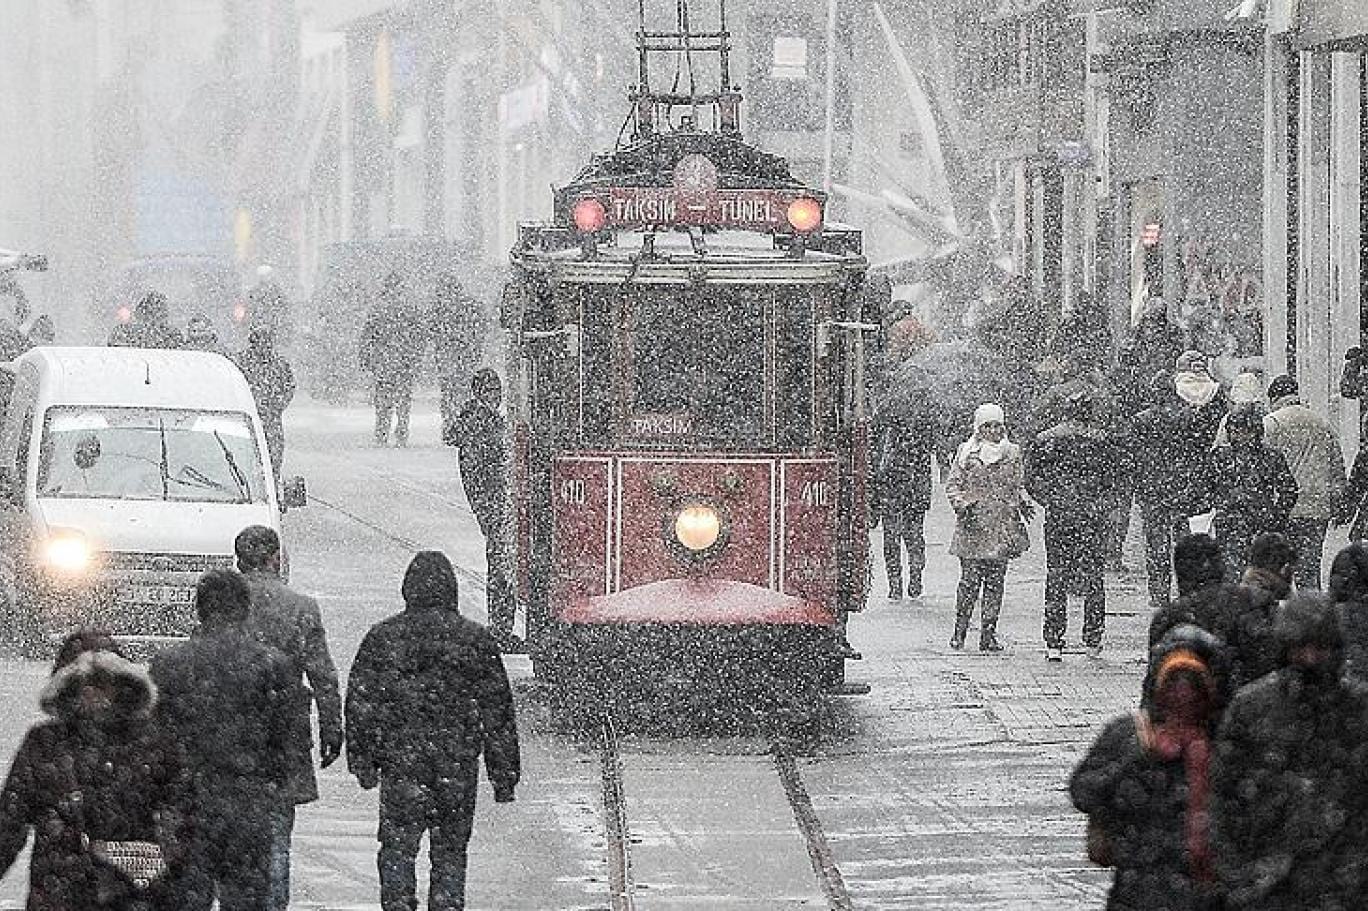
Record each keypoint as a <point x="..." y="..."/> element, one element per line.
<point x="670" y="258"/>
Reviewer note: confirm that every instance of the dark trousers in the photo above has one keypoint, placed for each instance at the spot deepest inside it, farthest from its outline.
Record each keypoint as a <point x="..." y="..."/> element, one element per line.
<point x="443" y="807"/>
<point x="232" y="849"/>
<point x="1073" y="565"/>
<point x="1163" y="528"/>
<point x="1118" y="524"/>
<point x="393" y="396"/>
<point x="282" y="831"/>
<point x="904" y="529"/>
<point x="501" y="601"/>
<point x="451" y="388"/>
<point x="986" y="577"/>
<point x="274" y="428"/>
<point x="1308" y="537"/>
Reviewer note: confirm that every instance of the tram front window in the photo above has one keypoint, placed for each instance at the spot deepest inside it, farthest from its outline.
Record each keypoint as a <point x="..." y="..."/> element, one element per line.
<point x="697" y="363"/>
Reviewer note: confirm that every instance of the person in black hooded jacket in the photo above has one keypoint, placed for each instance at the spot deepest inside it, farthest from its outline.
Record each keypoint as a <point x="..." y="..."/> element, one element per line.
<point x="1251" y="487"/>
<point x="426" y="696"/>
<point x="1289" y="808"/>
<point x="98" y="768"/>
<point x="1145" y="784"/>
<point x="1349" y="591"/>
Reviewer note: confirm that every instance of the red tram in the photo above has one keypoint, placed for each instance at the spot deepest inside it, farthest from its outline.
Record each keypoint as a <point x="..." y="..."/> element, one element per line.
<point x="688" y="401"/>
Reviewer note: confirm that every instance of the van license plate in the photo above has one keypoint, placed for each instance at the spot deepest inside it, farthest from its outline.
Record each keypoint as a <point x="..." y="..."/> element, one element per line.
<point x="158" y="594"/>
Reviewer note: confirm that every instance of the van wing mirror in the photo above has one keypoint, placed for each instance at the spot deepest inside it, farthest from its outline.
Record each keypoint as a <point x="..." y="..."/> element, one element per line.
<point x="294" y="494"/>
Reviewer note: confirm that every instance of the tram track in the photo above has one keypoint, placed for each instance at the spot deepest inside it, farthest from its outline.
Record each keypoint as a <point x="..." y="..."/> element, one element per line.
<point x="619" y="838"/>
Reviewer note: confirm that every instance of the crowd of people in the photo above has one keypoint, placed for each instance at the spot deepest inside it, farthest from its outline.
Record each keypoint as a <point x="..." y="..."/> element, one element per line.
<point x="1152" y="431"/>
<point x="168" y="787"/>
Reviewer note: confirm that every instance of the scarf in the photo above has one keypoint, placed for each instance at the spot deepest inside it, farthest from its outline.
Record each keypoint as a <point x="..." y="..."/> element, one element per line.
<point x="988" y="453"/>
<point x="1197" y="389"/>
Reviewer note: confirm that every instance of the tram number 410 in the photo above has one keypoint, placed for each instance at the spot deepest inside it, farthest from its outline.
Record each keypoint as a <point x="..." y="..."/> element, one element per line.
<point x="573" y="492"/>
<point x="816" y="494"/>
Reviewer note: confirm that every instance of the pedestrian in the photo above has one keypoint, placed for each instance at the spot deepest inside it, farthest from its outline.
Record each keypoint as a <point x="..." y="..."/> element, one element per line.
<point x="150" y="326"/>
<point x="103" y="789"/>
<point x="1289" y="810"/>
<point x="1271" y="561"/>
<point x="200" y="335"/>
<point x="1312" y="450"/>
<point x="904" y="451"/>
<point x="1077" y="377"/>
<point x="1171" y="448"/>
<point x="1145" y="784"/>
<point x="1245" y="392"/>
<point x="985" y="491"/>
<point x="427" y="694"/>
<point x="1069" y="471"/>
<point x="1353" y="508"/>
<point x="267" y="305"/>
<point x="228" y="700"/>
<point x="1252" y="489"/>
<point x="1349" y="592"/>
<point x="456" y="324"/>
<point x="292" y="624"/>
<point x="480" y="434"/>
<point x="273" y="387"/>
<point x="392" y="342"/>
<point x="1241" y="616"/>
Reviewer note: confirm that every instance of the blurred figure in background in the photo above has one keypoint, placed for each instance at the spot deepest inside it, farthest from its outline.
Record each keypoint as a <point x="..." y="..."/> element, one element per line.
<point x="150" y="326"/>
<point x="456" y="324"/>
<point x="200" y="335"/>
<point x="392" y="343"/>
<point x="273" y="387"/>
<point x="267" y="305"/>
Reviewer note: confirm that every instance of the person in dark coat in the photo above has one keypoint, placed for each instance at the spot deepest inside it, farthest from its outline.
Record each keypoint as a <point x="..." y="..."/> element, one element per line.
<point x="1070" y="470"/>
<point x="904" y="451"/>
<point x="1349" y="591"/>
<point x="291" y="624"/>
<point x="1289" y="810"/>
<point x="1272" y="561"/>
<point x="1251" y="488"/>
<point x="1353" y="508"/>
<point x="150" y="327"/>
<point x="1241" y="616"/>
<point x="1171" y="450"/>
<point x="426" y="696"/>
<point x="392" y="343"/>
<point x="98" y="769"/>
<point x="273" y="388"/>
<point x="228" y="700"/>
<point x="456" y="324"/>
<point x="200" y="335"/>
<point x="480" y="433"/>
<point x="1146" y="782"/>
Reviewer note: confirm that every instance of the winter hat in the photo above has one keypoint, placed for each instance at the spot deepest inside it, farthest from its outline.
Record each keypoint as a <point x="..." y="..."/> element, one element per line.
<point x="1282" y="387"/>
<point x="430" y="580"/>
<point x="1247" y="390"/>
<point x="1349" y="574"/>
<point x="1192" y="361"/>
<point x="1197" y="562"/>
<point x="86" y="639"/>
<point x="1309" y="618"/>
<point x="988" y="413"/>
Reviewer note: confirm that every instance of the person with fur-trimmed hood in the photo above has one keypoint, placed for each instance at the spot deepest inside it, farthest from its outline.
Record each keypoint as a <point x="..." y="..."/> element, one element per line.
<point x="1070" y="470"/>
<point x="1289" y="808"/>
<point x="427" y="695"/>
<point x="1145" y="784"/>
<point x="98" y="770"/>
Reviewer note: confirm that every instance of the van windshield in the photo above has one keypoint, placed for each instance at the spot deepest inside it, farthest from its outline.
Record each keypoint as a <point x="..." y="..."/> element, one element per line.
<point x="150" y="454"/>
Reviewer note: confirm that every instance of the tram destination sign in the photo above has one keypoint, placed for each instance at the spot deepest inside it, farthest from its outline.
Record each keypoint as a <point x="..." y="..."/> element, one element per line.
<point x="646" y="207"/>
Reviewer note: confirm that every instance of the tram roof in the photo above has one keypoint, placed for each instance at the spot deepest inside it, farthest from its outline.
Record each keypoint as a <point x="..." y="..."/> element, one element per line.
<point x="727" y="258"/>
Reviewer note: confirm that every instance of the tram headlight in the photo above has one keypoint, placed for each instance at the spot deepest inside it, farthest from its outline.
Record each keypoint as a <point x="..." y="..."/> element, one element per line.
<point x="589" y="215"/>
<point x="698" y="528"/>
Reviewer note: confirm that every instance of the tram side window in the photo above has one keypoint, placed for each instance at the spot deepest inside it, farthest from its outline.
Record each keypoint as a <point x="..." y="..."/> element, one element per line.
<point x="701" y="357"/>
<point x="795" y="425"/>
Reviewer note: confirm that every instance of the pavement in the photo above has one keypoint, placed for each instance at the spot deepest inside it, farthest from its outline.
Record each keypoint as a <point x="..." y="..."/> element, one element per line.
<point x="945" y="787"/>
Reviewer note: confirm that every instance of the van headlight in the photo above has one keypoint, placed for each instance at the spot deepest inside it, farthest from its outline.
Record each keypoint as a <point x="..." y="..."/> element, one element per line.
<point x="67" y="552"/>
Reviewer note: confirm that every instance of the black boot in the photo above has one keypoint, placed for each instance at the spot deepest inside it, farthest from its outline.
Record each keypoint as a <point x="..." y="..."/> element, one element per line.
<point x="961" y="629"/>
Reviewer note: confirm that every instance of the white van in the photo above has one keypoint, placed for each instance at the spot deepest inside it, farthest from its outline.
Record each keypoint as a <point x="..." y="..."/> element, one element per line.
<point x="125" y="473"/>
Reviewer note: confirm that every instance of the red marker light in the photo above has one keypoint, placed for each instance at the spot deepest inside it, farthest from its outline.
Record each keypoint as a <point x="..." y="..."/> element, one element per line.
<point x="805" y="214"/>
<point x="239" y="312"/>
<point x="124" y="314"/>
<point x="590" y="216"/>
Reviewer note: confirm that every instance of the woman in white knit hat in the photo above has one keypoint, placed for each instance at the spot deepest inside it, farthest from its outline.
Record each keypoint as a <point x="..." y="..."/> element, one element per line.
<point x="985" y="490"/>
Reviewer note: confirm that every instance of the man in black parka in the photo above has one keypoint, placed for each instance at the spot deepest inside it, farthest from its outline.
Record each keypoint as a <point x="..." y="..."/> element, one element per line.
<point x="1289" y="810"/>
<point x="426" y="696"/>
<point x="227" y="700"/>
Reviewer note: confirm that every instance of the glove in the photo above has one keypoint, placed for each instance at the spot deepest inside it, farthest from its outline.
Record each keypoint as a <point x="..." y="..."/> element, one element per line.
<point x="503" y="793"/>
<point x="329" y="748"/>
<point x="369" y="779"/>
